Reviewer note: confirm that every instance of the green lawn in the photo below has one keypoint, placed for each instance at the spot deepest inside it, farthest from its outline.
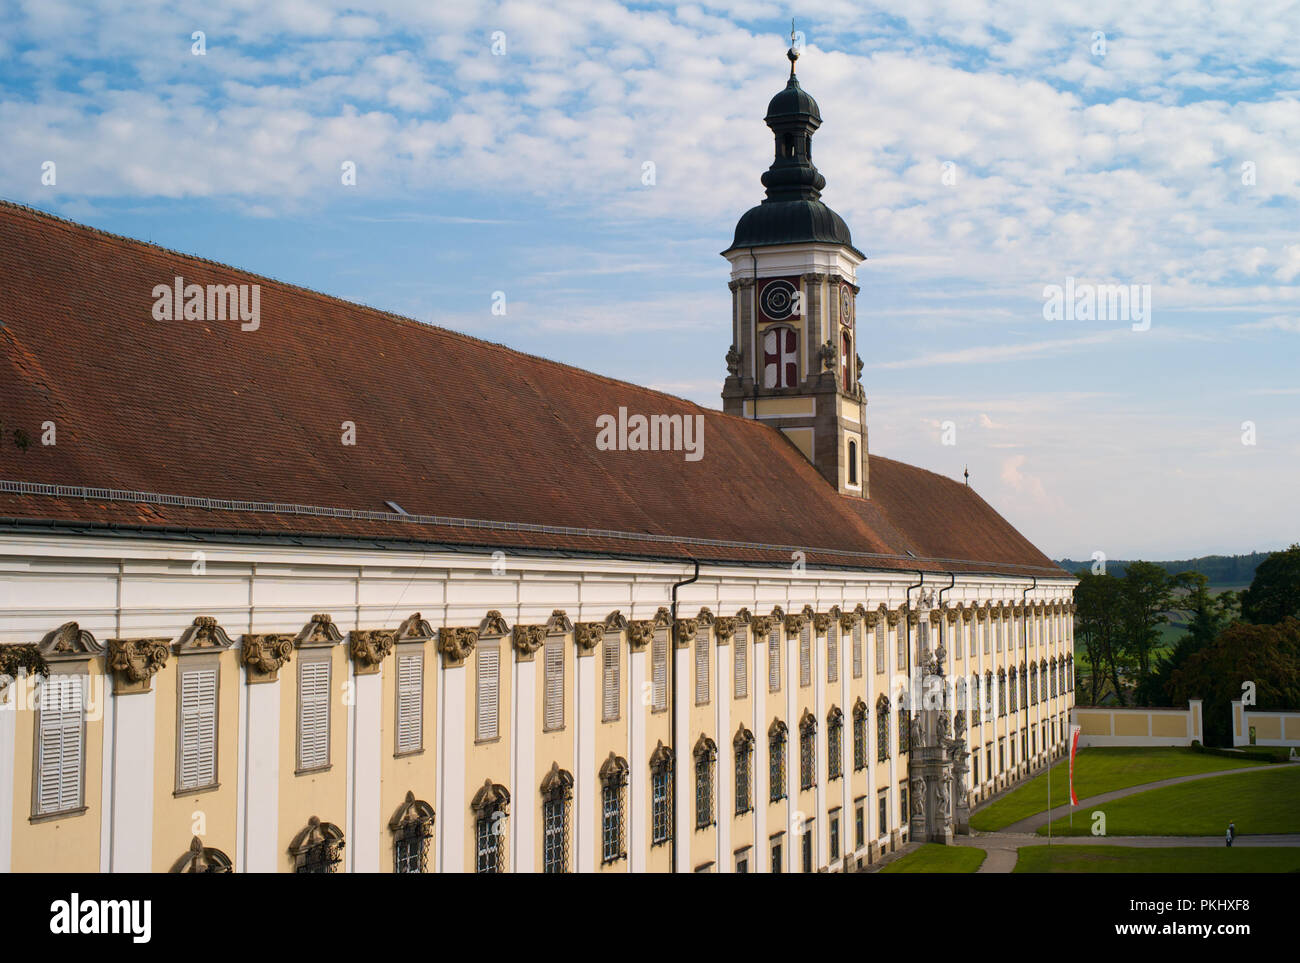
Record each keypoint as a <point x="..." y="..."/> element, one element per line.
<point x="1179" y="859"/>
<point x="934" y="858"/>
<point x="1099" y="770"/>
<point x="1262" y="802"/>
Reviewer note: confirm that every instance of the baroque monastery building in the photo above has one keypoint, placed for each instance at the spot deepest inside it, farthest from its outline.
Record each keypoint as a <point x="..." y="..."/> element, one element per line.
<point x="344" y="591"/>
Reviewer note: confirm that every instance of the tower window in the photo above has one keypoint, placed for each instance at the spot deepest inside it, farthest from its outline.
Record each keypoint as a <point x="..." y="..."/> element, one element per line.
<point x="853" y="462"/>
<point x="846" y="368"/>
<point x="780" y="358"/>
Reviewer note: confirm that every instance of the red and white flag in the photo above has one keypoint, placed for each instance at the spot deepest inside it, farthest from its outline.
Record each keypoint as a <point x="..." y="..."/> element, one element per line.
<point x="1074" y="748"/>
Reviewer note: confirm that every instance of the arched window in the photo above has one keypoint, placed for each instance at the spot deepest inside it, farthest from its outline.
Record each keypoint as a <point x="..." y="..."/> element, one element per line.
<point x="1033" y="684"/>
<point x="203" y="859"/>
<point x="846" y="361"/>
<point x="613" y="782"/>
<point x="1002" y="692"/>
<point x="1011" y="689"/>
<point x="743" y="748"/>
<point x="988" y="694"/>
<point x="491" y="806"/>
<point x="557" y="793"/>
<point x="661" y="795"/>
<point x="834" y="743"/>
<point x="859" y="735"/>
<point x="853" y="462"/>
<point x="706" y="753"/>
<point x="882" y="729"/>
<point x="807" y="750"/>
<point x="904" y="726"/>
<point x="780" y="357"/>
<point x="1024" y="686"/>
<point x="776" y="744"/>
<point x="318" y="848"/>
<point x="412" y="828"/>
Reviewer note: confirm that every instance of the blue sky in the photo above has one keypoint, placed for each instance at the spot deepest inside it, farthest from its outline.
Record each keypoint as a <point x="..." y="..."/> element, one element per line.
<point x="520" y="171"/>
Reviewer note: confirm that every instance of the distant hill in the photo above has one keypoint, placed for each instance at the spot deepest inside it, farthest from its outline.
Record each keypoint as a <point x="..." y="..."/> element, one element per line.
<point x="1221" y="570"/>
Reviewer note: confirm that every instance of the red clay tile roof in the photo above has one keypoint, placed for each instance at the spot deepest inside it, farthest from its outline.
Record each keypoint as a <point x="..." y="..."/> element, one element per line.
<point x="446" y="425"/>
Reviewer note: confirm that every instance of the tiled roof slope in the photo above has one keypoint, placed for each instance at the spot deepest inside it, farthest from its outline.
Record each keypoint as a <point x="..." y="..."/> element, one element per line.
<point x="446" y="425"/>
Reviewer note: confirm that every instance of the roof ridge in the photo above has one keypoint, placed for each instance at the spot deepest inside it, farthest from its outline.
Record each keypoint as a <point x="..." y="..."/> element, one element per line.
<point x="402" y="319"/>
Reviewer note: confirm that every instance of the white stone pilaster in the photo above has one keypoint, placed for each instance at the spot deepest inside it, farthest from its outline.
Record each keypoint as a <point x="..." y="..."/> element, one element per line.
<point x="453" y="740"/>
<point x="262" y="778"/>
<point x="524" y="780"/>
<point x="365" y="819"/>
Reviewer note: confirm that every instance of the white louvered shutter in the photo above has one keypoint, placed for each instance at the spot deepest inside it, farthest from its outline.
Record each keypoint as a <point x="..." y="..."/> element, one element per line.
<point x="611" y="651"/>
<point x="659" y="668"/>
<point x="554" y="715"/>
<point x="60" y="748"/>
<point x="774" y="661"/>
<point x="805" y="656"/>
<point x="489" y="685"/>
<point x="198" y="727"/>
<point x="857" y="649"/>
<point x="410" y="702"/>
<point x="314" y="713"/>
<point x="741" y="664"/>
<point x="833" y="652"/>
<point x="702" y="667"/>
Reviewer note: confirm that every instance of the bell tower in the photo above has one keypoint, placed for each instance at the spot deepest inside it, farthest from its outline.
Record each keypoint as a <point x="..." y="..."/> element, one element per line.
<point x="793" y="362"/>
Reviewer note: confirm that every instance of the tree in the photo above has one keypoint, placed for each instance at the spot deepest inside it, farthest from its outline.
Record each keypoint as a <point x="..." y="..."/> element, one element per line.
<point x="1209" y="615"/>
<point x="1274" y="592"/>
<point x="1097" y="625"/>
<point x="1266" y="655"/>
<point x="1146" y="593"/>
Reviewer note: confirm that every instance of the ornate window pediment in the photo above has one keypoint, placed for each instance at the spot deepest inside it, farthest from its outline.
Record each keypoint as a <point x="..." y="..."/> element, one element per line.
<point x="743" y="740"/>
<point x="777" y="730"/>
<point x="203" y="635"/>
<point x="615" y="622"/>
<point x="860" y="709"/>
<point x="318" y="848"/>
<point x="835" y="717"/>
<point x="613" y="771"/>
<point x="203" y="859"/>
<point x="412" y="811"/>
<point x="705" y="748"/>
<point x="318" y="633"/>
<point x="557" y="783"/>
<point x="491" y="798"/>
<point x="807" y="723"/>
<point x="68" y="643"/>
<point x="661" y="760"/>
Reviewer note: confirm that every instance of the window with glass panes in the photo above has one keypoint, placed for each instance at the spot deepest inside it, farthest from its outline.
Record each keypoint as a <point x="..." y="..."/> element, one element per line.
<point x="555" y="834"/>
<point x="834" y="744"/>
<point x="611" y="822"/>
<point x="661" y="827"/>
<point x="776" y="763"/>
<point x="488" y="832"/>
<point x="807" y="753"/>
<point x="882" y="729"/>
<point x="833" y="826"/>
<point x="411" y="846"/>
<point x="705" y="754"/>
<point x="743" y="746"/>
<point x="860" y="736"/>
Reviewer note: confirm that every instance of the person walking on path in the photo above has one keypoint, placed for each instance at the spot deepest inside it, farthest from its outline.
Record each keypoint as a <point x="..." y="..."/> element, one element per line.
<point x="1232" y="832"/>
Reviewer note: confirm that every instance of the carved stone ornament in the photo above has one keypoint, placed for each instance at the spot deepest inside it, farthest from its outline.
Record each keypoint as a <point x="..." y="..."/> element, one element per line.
<point x="826" y="354"/>
<point x="706" y="616"/>
<point x="733" y="362"/>
<point x="745" y="616"/>
<point x="557" y="784"/>
<point x="760" y="626"/>
<point x="320" y="843"/>
<point x="640" y="634"/>
<point x="491" y="798"/>
<point x="203" y="859"/>
<point x="369" y="648"/>
<point x="527" y="639"/>
<point x="778" y="613"/>
<point x="68" y="643"/>
<point x="415" y="811"/>
<point x="264" y="655"/>
<point x="821" y="622"/>
<point x="794" y="624"/>
<point x="724" y="628"/>
<point x="318" y="633"/>
<point x="685" y="632"/>
<point x="613" y="771"/>
<point x="846" y="621"/>
<point x="588" y="635"/>
<point x="891" y="616"/>
<point x="742" y="740"/>
<point x="456" y="643"/>
<point x="615" y="622"/>
<point x="134" y="662"/>
<point x="558" y="623"/>
<point x="493" y="625"/>
<point x="203" y="635"/>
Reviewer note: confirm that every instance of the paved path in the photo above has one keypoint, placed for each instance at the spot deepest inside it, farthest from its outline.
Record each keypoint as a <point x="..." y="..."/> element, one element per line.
<point x="1031" y="823"/>
<point x="1003" y="848"/>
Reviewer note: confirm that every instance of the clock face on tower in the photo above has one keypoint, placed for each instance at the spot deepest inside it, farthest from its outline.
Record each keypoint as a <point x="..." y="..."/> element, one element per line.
<point x="846" y="304"/>
<point x="779" y="300"/>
